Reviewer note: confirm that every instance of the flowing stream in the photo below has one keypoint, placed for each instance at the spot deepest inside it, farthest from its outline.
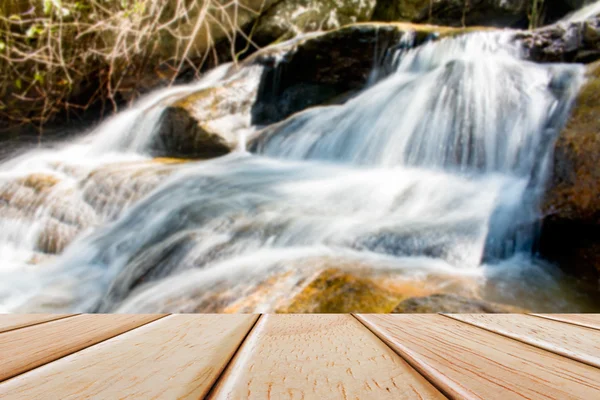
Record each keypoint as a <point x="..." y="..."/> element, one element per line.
<point x="433" y="174"/>
<point x="589" y="11"/>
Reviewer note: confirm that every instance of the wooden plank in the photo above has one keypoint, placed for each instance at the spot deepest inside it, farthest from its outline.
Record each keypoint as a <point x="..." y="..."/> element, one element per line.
<point x="318" y="357"/>
<point x="179" y="356"/>
<point x="579" y="343"/>
<point x="466" y="362"/>
<point x="27" y="348"/>
<point x="587" y="320"/>
<point x="8" y="322"/>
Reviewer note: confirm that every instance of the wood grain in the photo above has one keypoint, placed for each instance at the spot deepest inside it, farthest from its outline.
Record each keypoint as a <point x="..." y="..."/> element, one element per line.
<point x="579" y="343"/>
<point x="466" y="362"/>
<point x="9" y="322"/>
<point x="179" y="356"/>
<point x="318" y="357"/>
<point x="27" y="348"/>
<point x="587" y="320"/>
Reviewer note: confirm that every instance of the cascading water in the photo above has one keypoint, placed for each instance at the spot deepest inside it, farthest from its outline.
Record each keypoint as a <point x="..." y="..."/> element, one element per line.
<point x="425" y="172"/>
<point x="585" y="12"/>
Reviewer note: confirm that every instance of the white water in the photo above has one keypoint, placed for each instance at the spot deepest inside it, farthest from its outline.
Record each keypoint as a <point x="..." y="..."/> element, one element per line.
<point x="427" y="172"/>
<point x="586" y="12"/>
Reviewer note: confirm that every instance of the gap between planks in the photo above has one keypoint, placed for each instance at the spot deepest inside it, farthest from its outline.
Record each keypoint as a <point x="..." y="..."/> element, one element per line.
<point x="467" y="362"/>
<point x="27" y="348"/>
<point x="325" y="356"/>
<point x="179" y="356"/>
<point x="10" y="322"/>
<point x="591" y="321"/>
<point x="572" y="341"/>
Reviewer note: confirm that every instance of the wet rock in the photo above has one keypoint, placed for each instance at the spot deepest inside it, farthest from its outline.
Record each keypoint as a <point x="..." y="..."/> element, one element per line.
<point x="52" y="210"/>
<point x="451" y="303"/>
<point x="204" y="124"/>
<point x="55" y="236"/>
<point x="563" y="42"/>
<point x="571" y="207"/>
<point x="336" y="291"/>
<point x="278" y="82"/>
<point x="328" y="67"/>
<point x="111" y="189"/>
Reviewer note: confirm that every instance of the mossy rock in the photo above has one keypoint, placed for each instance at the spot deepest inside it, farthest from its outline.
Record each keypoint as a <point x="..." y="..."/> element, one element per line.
<point x="571" y="207"/>
<point x="336" y="291"/>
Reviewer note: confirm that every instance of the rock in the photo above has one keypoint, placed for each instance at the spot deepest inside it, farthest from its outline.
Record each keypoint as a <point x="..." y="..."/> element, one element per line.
<point x="563" y="42"/>
<point x="321" y="68"/>
<point x="289" y="18"/>
<point x="55" y="236"/>
<point x="506" y="13"/>
<point x="203" y="124"/>
<point x="571" y="207"/>
<point x="451" y="303"/>
<point x="278" y="82"/>
<point x="112" y="188"/>
<point x="336" y="291"/>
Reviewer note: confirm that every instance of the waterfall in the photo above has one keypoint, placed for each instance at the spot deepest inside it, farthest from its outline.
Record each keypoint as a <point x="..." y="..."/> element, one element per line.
<point x="585" y="12"/>
<point x="429" y="170"/>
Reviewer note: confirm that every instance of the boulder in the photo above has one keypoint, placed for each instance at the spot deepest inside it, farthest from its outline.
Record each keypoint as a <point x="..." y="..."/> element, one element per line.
<point x="451" y="303"/>
<point x="571" y="207"/>
<point x="337" y="291"/>
<point x="277" y="82"/>
<point x="563" y="42"/>
<point x="204" y="124"/>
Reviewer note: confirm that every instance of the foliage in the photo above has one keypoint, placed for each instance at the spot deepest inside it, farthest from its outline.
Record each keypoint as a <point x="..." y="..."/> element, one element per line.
<point x="535" y="13"/>
<point x="63" y="55"/>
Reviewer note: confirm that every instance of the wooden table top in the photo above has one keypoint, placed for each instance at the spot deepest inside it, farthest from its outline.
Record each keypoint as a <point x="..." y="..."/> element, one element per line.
<point x="300" y="356"/>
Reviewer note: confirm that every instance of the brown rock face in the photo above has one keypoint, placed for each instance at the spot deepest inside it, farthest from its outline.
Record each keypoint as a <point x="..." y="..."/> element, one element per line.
<point x="335" y="291"/>
<point x="571" y="230"/>
<point x="203" y="124"/>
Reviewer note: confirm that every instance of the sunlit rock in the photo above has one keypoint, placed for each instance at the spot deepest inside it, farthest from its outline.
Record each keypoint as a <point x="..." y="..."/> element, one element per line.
<point x="292" y="17"/>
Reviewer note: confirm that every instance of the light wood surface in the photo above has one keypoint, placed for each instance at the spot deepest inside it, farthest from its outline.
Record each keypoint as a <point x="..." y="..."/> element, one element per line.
<point x="177" y="357"/>
<point x="27" y="348"/>
<point x="322" y="356"/>
<point x="318" y="357"/>
<point x="9" y="322"/>
<point x="467" y="362"/>
<point x="587" y="320"/>
<point x="576" y="342"/>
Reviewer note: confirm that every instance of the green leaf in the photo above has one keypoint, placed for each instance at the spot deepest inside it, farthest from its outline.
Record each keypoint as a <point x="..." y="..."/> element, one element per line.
<point x="47" y="6"/>
<point x="38" y="77"/>
<point x="19" y="83"/>
<point x="32" y="31"/>
<point x="2" y="45"/>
